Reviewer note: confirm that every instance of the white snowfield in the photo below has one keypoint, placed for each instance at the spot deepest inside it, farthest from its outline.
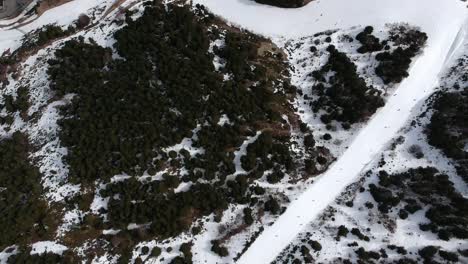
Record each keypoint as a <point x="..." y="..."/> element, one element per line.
<point x="443" y="21"/>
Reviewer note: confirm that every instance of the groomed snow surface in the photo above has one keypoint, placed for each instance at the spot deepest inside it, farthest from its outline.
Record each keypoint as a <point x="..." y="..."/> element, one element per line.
<point x="444" y="22"/>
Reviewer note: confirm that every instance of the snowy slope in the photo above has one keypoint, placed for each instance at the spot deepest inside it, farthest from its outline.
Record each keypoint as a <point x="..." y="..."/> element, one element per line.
<point x="64" y="15"/>
<point x="381" y="129"/>
<point x="386" y="229"/>
<point x="445" y="27"/>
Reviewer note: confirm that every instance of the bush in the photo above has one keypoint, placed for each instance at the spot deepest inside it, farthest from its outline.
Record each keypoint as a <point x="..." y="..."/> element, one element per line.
<point x="342" y="231"/>
<point x="272" y="206"/>
<point x="369" y="43"/>
<point x="218" y="249"/>
<point x="315" y="245"/>
<point x="428" y="252"/>
<point x="248" y="219"/>
<point x="283" y="3"/>
<point x="416" y="151"/>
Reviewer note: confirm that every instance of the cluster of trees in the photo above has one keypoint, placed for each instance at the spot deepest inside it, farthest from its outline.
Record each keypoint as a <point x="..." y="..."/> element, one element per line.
<point x="267" y="153"/>
<point x="345" y="97"/>
<point x="415" y="188"/>
<point x="23" y="212"/>
<point x="43" y="36"/>
<point x="448" y="127"/>
<point x="20" y="103"/>
<point x="169" y="213"/>
<point x="393" y="66"/>
<point x="305" y="249"/>
<point x="127" y="110"/>
<point x="284" y="3"/>
<point x="155" y="96"/>
<point x="369" y="43"/>
<point x="238" y="49"/>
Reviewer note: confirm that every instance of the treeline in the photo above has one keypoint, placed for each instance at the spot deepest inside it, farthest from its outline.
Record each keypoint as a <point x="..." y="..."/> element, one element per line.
<point x="24" y="257"/>
<point x="169" y="213"/>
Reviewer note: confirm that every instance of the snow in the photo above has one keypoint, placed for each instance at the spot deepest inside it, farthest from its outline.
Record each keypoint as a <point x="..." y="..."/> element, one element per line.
<point x="384" y="125"/>
<point x="71" y="219"/>
<point x="64" y="15"/>
<point x="445" y="28"/>
<point x="47" y="246"/>
<point x="440" y="21"/>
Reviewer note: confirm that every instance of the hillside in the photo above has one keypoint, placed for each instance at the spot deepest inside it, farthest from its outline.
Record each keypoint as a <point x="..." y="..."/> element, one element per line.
<point x="173" y="132"/>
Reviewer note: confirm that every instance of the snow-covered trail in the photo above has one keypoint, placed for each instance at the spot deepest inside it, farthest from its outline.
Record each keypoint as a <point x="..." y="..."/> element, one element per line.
<point x="422" y="81"/>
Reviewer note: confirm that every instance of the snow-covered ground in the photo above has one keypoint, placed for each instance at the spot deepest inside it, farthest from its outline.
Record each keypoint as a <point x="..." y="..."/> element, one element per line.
<point x="442" y="21"/>
<point x="422" y="80"/>
<point x="444" y="24"/>
<point x="386" y="229"/>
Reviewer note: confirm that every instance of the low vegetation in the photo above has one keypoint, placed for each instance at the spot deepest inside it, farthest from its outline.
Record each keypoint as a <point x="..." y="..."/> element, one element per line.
<point x="394" y="65"/>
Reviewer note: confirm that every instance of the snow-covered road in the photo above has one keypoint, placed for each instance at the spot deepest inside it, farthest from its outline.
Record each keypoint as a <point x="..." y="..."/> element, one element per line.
<point x="446" y="27"/>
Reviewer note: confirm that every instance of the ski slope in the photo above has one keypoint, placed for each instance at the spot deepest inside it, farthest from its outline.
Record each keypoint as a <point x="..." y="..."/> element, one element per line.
<point x="445" y="24"/>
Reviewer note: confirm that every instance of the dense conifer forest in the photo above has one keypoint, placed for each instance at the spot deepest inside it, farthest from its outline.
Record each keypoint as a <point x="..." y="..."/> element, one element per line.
<point x="132" y="103"/>
<point x="184" y="119"/>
